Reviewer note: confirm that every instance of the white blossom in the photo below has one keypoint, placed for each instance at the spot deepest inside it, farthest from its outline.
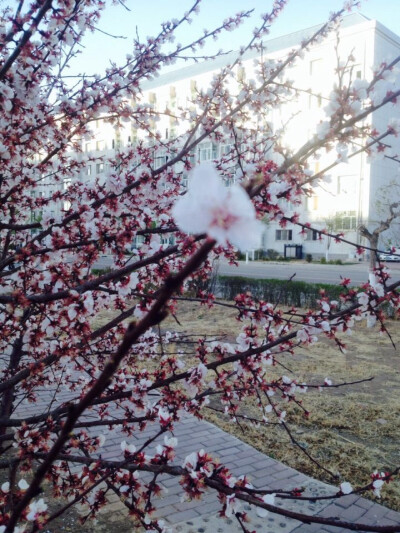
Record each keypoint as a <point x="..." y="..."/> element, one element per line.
<point x="22" y="484"/>
<point x="360" y="87"/>
<point x="377" y="484"/>
<point x="190" y="461"/>
<point x="270" y="500"/>
<point x="35" y="508"/>
<point x="325" y="307"/>
<point x="125" y="447"/>
<point x="232" y="505"/>
<point x="363" y="299"/>
<point x="346" y="487"/>
<point x="302" y="335"/>
<point x="170" y="441"/>
<point x="323" y="129"/>
<point x="225" y="214"/>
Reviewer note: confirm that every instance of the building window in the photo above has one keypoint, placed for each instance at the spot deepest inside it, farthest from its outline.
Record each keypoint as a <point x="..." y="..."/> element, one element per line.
<point x="87" y="147"/>
<point x="283" y="235"/>
<point x="241" y="74"/>
<point x="184" y="180"/>
<point x="89" y="170"/>
<point x="193" y="88"/>
<point x="345" y="220"/>
<point x="99" y="168"/>
<point x="225" y="149"/>
<point x="285" y="205"/>
<point x="207" y="151"/>
<point x="312" y="203"/>
<point x="137" y="241"/>
<point x="315" y="67"/>
<point x="160" y="159"/>
<point x="100" y="145"/>
<point x="172" y="96"/>
<point x="167" y="240"/>
<point x="113" y="144"/>
<point x="312" y="235"/>
<point x="314" y="101"/>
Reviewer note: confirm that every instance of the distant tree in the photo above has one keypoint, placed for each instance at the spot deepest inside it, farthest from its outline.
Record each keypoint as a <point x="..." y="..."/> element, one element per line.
<point x="372" y="236"/>
<point x="67" y="379"/>
<point x="333" y="225"/>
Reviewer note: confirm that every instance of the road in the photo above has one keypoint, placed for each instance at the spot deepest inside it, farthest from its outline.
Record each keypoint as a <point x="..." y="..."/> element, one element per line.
<point x="309" y="272"/>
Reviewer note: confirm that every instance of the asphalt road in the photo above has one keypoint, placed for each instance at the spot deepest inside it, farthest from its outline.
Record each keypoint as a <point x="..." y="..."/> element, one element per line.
<point x="310" y="272"/>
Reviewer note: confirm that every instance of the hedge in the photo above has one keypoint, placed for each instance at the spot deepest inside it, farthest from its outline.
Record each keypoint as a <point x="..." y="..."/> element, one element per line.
<point x="285" y="292"/>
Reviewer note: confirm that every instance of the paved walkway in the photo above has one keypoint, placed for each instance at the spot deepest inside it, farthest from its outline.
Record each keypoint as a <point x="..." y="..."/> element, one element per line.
<point x="201" y="516"/>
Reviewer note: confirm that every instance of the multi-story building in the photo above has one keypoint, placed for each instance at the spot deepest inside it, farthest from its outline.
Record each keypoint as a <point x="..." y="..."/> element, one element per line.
<point x="358" y="187"/>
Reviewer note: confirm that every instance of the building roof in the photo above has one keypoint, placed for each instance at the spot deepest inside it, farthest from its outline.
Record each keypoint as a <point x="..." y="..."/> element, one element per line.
<point x="272" y="45"/>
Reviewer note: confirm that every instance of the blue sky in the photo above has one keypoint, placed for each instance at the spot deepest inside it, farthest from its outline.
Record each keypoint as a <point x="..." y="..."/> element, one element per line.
<point x="146" y="17"/>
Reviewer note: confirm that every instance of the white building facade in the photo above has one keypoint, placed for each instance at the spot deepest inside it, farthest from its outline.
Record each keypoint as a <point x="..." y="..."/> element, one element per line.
<point x="356" y="189"/>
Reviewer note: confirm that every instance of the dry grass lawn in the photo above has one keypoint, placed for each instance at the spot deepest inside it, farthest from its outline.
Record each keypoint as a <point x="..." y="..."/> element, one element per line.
<point x="352" y="430"/>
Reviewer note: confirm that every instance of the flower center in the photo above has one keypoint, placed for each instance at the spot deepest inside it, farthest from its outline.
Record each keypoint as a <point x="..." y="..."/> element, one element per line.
<point x="223" y="219"/>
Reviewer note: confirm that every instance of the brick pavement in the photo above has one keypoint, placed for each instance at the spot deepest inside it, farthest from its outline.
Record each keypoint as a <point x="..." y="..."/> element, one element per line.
<point x="263" y="471"/>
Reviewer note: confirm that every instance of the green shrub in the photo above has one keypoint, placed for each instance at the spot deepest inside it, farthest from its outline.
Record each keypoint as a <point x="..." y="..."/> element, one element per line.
<point x="272" y="254"/>
<point x="323" y="261"/>
<point x="296" y="293"/>
<point x="100" y="271"/>
<point x="259" y="254"/>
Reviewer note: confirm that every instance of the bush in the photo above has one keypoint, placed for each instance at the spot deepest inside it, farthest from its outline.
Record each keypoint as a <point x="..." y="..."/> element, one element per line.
<point x="296" y="293"/>
<point x="323" y="261"/>
<point x="272" y="254"/>
<point x="308" y="258"/>
<point x="100" y="271"/>
<point x="259" y="254"/>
